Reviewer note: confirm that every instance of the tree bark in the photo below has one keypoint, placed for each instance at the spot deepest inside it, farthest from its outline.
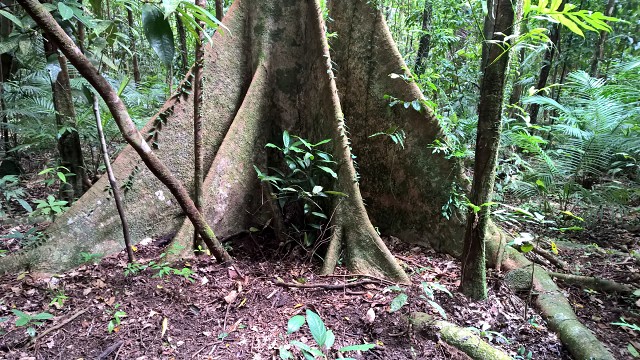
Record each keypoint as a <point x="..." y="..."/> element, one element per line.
<point x="128" y="129"/>
<point x="219" y="9"/>
<point x="132" y="38"/>
<point x="6" y="62"/>
<point x="112" y="181"/>
<point x="498" y="24"/>
<point x="69" y="145"/>
<point x="598" y="54"/>
<point x="545" y="70"/>
<point x="425" y="39"/>
<point x="198" y="168"/>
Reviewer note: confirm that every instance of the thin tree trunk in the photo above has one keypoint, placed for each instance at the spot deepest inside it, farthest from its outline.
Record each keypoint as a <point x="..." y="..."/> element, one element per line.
<point x="6" y="61"/>
<point x="182" y="38"/>
<point x="132" y="41"/>
<point x="425" y="39"/>
<point x="112" y="181"/>
<point x="498" y="24"/>
<point x="128" y="129"/>
<point x="219" y="9"/>
<point x="69" y="140"/>
<point x="598" y="54"/>
<point x="546" y="66"/>
<point x="198" y="168"/>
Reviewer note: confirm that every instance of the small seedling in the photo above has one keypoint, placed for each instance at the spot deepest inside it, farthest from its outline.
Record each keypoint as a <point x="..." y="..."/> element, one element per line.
<point x="30" y="321"/>
<point x="323" y="337"/>
<point x="116" y="318"/>
<point x="58" y="299"/>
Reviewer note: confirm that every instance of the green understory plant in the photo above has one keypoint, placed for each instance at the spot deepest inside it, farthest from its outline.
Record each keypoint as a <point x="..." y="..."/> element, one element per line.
<point x="30" y="321"/>
<point x="116" y="317"/>
<point x="323" y="337"/>
<point x="428" y="288"/>
<point x="10" y="189"/>
<point x="51" y="206"/>
<point x="301" y="187"/>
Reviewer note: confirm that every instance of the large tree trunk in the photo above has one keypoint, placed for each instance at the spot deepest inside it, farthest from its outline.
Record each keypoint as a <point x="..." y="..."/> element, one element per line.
<point x="270" y="72"/>
<point x="68" y="140"/>
<point x="6" y="62"/>
<point x="498" y="24"/>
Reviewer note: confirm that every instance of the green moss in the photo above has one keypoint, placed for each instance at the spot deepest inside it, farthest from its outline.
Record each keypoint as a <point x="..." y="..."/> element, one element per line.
<point x="519" y="279"/>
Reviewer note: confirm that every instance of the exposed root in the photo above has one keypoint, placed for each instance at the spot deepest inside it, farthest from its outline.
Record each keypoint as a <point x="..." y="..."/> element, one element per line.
<point x="463" y="339"/>
<point x="333" y="252"/>
<point x="551" y="258"/>
<point x="328" y="286"/>
<point x="554" y="307"/>
<point x="593" y="283"/>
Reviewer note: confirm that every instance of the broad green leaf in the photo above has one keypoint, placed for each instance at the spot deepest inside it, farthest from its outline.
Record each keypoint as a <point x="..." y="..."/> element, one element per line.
<point x="438" y="308"/>
<point x="286" y="139"/>
<point x="632" y="350"/>
<point x="295" y="323"/>
<point x="526" y="247"/>
<point x="25" y="205"/>
<point x="285" y="354"/>
<point x="65" y="11"/>
<point x="331" y="339"/>
<point x="43" y="316"/>
<point x="398" y="302"/>
<point x="361" y="347"/>
<point x="317" y="328"/>
<point x="307" y="348"/>
<point x="328" y="171"/>
<point x="568" y="23"/>
<point x="11" y="18"/>
<point x="158" y="32"/>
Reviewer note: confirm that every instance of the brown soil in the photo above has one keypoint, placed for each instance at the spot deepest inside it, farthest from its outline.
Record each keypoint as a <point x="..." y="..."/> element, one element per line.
<point x="198" y="317"/>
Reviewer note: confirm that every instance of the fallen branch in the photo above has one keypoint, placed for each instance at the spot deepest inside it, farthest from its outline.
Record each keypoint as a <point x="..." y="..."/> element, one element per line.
<point x="381" y="280"/>
<point x="461" y="338"/>
<point x="327" y="286"/>
<point x="551" y="258"/>
<point x="58" y="326"/>
<point x="116" y="346"/>
<point x="593" y="283"/>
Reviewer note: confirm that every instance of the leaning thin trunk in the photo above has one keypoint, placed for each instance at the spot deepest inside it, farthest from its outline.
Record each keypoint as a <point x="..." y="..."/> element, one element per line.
<point x="112" y="181"/>
<point x="127" y="127"/>
<point x="68" y="139"/>
<point x="198" y="168"/>
<point x="498" y="23"/>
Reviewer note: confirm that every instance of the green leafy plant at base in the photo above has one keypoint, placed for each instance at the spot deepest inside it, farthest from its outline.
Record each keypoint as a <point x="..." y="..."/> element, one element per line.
<point x="51" y="206"/>
<point x="55" y="174"/>
<point x="30" y="238"/>
<point x="30" y="321"/>
<point x="300" y="185"/>
<point x="323" y="337"/>
<point x="10" y="189"/>
<point x="58" y="299"/>
<point x="86" y="257"/>
<point x="161" y="268"/>
<point x="116" y="318"/>
<point x="428" y="288"/>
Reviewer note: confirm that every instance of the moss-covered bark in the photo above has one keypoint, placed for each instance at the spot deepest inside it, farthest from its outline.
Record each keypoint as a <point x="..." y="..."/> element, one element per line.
<point x="462" y="338"/>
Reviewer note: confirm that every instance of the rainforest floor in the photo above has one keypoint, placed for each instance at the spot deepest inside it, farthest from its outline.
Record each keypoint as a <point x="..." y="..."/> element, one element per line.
<point x="241" y="312"/>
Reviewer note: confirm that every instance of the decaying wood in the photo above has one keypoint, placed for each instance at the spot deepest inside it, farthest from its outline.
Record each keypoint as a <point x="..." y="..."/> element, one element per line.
<point x="328" y="286"/>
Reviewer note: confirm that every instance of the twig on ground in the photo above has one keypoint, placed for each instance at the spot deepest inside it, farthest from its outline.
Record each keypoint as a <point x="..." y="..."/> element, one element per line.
<point x="113" y="347"/>
<point x="593" y="283"/>
<point x="551" y="258"/>
<point x="58" y="326"/>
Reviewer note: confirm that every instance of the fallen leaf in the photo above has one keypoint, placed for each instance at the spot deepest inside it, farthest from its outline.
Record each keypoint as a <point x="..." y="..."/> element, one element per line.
<point x="231" y="297"/>
<point x="165" y="325"/>
<point x="370" y="317"/>
<point x="110" y="301"/>
<point x="86" y="291"/>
